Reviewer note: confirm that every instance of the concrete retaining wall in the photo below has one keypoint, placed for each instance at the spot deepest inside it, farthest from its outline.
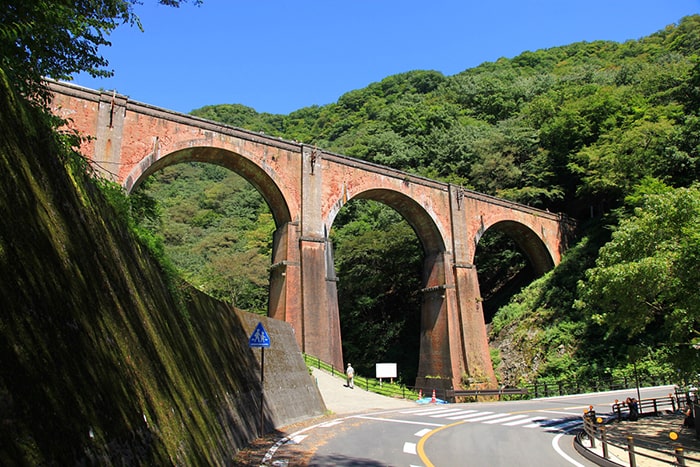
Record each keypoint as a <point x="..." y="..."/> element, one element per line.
<point x="290" y="393"/>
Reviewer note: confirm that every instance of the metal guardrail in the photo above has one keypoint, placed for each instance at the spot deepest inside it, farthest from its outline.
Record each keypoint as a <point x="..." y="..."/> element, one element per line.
<point x="596" y="430"/>
<point x="548" y="388"/>
<point x="647" y="406"/>
<point x="541" y="388"/>
<point x="487" y="392"/>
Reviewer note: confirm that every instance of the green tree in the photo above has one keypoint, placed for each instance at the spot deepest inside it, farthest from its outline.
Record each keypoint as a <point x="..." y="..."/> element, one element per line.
<point x="645" y="279"/>
<point x="56" y="39"/>
<point x="240" y="278"/>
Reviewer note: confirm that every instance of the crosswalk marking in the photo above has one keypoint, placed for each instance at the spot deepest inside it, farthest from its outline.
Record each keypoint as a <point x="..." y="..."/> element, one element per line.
<point x="428" y="411"/>
<point x="505" y="419"/>
<point x="523" y="421"/>
<point x="509" y="418"/>
<point x="536" y="422"/>
<point x="469" y="415"/>
<point x="486" y="417"/>
<point x="448" y="412"/>
<point x="564" y="426"/>
<point x="460" y="413"/>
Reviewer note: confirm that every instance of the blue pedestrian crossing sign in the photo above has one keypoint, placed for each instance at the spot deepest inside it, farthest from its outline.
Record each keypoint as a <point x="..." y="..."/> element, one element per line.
<point x="259" y="338"/>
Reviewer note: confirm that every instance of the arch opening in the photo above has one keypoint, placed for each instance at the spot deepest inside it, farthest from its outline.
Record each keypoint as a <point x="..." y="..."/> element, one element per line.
<point x="248" y="170"/>
<point x="222" y="218"/>
<point x="382" y="244"/>
<point x="508" y="257"/>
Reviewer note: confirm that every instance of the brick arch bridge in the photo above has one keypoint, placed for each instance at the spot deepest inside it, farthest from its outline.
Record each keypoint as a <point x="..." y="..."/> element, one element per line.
<point x="305" y="188"/>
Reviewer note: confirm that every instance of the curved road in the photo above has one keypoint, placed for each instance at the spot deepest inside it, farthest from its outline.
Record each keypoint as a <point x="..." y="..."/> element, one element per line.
<point x="523" y="433"/>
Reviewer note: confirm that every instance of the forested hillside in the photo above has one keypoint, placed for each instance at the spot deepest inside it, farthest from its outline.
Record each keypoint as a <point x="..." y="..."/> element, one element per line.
<point x="604" y="132"/>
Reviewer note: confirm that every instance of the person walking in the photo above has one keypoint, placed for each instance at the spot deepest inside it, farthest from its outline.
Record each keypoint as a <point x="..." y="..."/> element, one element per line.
<point x="350" y="373"/>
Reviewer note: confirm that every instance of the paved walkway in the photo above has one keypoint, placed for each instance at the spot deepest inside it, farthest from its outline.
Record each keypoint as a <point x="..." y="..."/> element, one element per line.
<point x="340" y="399"/>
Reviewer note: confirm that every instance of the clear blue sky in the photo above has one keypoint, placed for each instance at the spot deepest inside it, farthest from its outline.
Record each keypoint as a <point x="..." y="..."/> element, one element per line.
<point x="278" y="56"/>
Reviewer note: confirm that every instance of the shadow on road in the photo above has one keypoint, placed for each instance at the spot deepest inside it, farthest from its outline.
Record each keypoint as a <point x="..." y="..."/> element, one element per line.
<point x="343" y="461"/>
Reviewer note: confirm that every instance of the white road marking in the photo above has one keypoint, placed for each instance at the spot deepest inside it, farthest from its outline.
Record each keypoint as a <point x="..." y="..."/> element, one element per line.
<point x="507" y="419"/>
<point x="430" y="411"/>
<point x="457" y="413"/>
<point x="450" y="412"/>
<point x="519" y="422"/>
<point x="296" y="439"/>
<point x="463" y="417"/>
<point x="564" y="426"/>
<point x="409" y="448"/>
<point x="535" y="422"/>
<point x="485" y="417"/>
<point x="393" y="420"/>
<point x="422" y="432"/>
<point x="555" y="445"/>
<point x="561" y="413"/>
<point x="424" y="408"/>
<point x="331" y="423"/>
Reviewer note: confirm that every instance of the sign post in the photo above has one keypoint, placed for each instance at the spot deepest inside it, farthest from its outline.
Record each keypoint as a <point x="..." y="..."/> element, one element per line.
<point x="261" y="339"/>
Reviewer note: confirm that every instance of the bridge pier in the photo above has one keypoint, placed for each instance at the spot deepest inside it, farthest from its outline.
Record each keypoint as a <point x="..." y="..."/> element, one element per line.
<point x="321" y="318"/>
<point x="285" y="277"/>
<point x="477" y="357"/>
<point x="435" y="359"/>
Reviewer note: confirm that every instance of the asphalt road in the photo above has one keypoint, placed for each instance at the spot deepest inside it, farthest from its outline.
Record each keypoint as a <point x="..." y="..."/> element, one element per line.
<point x="371" y="430"/>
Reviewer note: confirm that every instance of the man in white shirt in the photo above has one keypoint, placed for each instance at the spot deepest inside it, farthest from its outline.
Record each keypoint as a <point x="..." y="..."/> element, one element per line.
<point x="350" y="373"/>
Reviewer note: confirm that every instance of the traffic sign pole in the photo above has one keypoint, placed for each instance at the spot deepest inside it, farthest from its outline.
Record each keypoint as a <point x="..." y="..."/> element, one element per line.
<point x="262" y="389"/>
<point x="261" y="339"/>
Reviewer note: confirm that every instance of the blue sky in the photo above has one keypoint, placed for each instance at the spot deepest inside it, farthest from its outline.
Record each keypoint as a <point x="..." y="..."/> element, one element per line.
<point x="278" y="56"/>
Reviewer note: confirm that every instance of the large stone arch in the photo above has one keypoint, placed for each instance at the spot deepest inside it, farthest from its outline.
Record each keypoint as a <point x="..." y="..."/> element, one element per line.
<point x="435" y="356"/>
<point x="415" y="214"/>
<point x="284" y="268"/>
<point x="251" y="172"/>
<point x="527" y="240"/>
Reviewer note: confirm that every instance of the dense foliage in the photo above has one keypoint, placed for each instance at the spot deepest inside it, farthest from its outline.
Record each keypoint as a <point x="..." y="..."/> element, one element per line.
<point x="579" y="129"/>
<point x="217" y="231"/>
<point x="644" y="283"/>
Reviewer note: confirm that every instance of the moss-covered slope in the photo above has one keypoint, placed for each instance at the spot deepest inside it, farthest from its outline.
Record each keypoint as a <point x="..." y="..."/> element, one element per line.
<point x="99" y="363"/>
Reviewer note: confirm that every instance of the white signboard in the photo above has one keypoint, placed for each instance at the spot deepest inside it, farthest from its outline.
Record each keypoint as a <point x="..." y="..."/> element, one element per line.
<point x="386" y="370"/>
